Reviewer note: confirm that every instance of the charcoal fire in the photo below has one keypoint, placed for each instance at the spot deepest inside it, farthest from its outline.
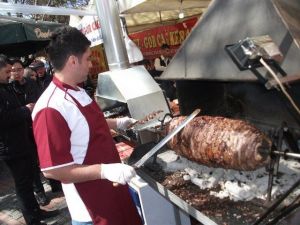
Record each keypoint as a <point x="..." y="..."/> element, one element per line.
<point x="221" y="142"/>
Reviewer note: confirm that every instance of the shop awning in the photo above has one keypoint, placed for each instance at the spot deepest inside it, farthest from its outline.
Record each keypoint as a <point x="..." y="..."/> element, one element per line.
<point x="19" y="36"/>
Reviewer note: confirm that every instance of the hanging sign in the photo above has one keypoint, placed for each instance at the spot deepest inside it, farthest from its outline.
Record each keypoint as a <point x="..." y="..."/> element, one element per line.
<point x="150" y="41"/>
<point x="90" y="27"/>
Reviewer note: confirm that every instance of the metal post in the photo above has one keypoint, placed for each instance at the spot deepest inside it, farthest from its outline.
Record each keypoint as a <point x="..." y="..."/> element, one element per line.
<point x="112" y="34"/>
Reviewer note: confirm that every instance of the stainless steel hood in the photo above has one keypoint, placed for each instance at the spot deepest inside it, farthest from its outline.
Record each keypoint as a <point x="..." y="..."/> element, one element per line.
<point x="131" y="85"/>
<point x="202" y="55"/>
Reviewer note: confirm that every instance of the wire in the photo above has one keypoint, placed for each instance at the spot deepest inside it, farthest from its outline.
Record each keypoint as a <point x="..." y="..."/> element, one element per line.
<point x="262" y="61"/>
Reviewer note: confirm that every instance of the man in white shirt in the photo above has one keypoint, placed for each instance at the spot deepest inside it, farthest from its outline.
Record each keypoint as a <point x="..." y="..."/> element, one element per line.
<point x="74" y="141"/>
<point x="160" y="64"/>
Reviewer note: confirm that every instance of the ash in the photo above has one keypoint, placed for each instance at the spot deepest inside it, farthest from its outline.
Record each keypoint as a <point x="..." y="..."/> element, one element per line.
<point x="232" y="184"/>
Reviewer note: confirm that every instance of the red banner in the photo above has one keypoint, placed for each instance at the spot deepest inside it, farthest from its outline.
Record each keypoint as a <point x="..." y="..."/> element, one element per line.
<point x="150" y="41"/>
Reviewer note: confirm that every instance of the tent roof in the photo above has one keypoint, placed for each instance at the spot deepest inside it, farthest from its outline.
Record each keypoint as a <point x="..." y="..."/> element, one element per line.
<point x="146" y="12"/>
<point x="138" y="6"/>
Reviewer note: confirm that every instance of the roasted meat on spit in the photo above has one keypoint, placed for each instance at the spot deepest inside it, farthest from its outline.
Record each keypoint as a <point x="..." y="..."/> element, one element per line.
<point x="221" y="142"/>
<point x="146" y="119"/>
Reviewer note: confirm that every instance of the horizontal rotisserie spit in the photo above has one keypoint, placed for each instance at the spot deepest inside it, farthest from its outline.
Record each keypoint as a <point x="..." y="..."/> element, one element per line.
<point x="221" y="142"/>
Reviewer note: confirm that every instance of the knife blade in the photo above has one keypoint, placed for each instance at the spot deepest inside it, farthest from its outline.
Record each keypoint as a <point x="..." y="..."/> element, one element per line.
<point x="147" y="121"/>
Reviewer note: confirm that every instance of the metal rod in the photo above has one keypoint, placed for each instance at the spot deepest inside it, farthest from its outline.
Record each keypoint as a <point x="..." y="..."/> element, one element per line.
<point x="284" y="154"/>
<point x="286" y="211"/>
<point x="287" y="154"/>
<point x="279" y="147"/>
<point x="270" y="181"/>
<point x="276" y="203"/>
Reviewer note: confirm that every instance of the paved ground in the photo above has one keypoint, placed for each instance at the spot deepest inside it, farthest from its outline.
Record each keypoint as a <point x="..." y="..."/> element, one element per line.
<point x="9" y="212"/>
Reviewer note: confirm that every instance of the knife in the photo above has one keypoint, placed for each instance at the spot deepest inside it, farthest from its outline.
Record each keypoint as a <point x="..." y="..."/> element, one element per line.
<point x="166" y="139"/>
<point x="147" y="121"/>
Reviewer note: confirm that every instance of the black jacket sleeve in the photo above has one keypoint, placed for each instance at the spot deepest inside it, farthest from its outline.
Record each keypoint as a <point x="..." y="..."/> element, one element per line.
<point x="11" y="112"/>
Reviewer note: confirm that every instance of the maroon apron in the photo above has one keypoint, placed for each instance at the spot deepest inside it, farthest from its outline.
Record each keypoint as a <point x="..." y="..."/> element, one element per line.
<point x="106" y="204"/>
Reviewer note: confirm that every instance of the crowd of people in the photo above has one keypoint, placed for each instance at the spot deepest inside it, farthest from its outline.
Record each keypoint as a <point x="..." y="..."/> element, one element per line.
<point x="51" y="124"/>
<point x="18" y="94"/>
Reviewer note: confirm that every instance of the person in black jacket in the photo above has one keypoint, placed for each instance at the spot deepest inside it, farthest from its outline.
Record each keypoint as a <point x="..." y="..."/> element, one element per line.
<point x="43" y="78"/>
<point x="26" y="89"/>
<point x="15" y="146"/>
<point x="30" y="74"/>
<point x="28" y="92"/>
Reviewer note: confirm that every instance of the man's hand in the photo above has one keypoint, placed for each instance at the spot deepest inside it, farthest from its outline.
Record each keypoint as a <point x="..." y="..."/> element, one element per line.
<point x="124" y="122"/>
<point x="117" y="172"/>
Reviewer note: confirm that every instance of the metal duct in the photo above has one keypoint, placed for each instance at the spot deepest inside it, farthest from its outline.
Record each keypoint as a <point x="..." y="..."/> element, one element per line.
<point x="112" y="35"/>
<point x="202" y="55"/>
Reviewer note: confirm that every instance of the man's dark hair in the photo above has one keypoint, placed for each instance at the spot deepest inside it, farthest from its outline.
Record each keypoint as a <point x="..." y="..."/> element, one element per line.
<point x="16" y="60"/>
<point x="165" y="46"/>
<point x="64" y="42"/>
<point x="3" y="61"/>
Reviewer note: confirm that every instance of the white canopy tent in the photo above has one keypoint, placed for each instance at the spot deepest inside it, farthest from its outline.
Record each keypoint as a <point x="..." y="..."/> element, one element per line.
<point x="144" y="14"/>
<point x="138" y="14"/>
<point x="137" y="6"/>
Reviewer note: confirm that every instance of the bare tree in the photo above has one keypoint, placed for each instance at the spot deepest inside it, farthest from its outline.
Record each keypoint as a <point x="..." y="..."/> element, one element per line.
<point x="77" y="4"/>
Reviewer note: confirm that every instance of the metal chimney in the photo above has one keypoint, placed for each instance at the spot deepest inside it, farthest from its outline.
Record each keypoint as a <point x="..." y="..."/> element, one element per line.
<point x="112" y="34"/>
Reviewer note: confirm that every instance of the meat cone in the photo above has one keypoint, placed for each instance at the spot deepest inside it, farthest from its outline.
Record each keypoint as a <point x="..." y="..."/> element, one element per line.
<point x="221" y="142"/>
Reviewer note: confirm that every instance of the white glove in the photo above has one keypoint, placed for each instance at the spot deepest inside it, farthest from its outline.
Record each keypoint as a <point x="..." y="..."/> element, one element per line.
<point x="117" y="172"/>
<point x="124" y="122"/>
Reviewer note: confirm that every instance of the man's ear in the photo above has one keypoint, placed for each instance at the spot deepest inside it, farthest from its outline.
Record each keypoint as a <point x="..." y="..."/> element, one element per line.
<point x="72" y="60"/>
